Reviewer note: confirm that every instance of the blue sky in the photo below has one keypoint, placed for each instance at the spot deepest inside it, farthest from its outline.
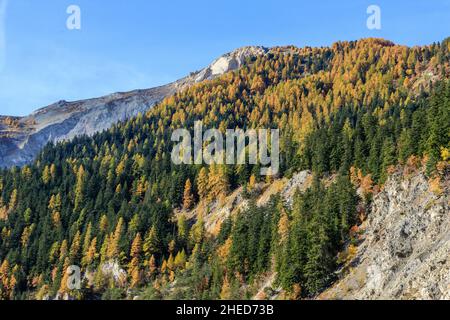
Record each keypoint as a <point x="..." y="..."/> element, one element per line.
<point x="124" y="45"/>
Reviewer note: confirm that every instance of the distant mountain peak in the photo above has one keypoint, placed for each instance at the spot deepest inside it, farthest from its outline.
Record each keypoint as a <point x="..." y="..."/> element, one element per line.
<point x="228" y="62"/>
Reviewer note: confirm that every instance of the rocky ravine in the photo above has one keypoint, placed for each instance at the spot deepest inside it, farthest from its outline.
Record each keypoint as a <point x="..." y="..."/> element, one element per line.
<point x="21" y="138"/>
<point x="405" y="252"/>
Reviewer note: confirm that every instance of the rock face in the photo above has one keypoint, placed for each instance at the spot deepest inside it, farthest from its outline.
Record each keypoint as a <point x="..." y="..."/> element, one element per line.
<point x="299" y="182"/>
<point x="405" y="252"/>
<point x="21" y="138"/>
<point x="112" y="269"/>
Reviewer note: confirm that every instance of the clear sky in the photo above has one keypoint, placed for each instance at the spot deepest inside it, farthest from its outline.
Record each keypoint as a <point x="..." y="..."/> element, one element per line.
<point x="124" y="45"/>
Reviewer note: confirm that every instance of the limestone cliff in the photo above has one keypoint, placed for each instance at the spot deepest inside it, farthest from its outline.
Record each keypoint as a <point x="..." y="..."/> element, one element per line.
<point x="405" y="244"/>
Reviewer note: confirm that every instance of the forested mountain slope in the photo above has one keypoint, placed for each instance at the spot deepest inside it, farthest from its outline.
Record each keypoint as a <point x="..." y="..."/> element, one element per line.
<point x="115" y="200"/>
<point x="22" y="138"/>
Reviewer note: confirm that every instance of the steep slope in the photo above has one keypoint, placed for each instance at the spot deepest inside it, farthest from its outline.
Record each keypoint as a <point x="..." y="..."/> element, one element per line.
<point x="405" y="246"/>
<point x="110" y="198"/>
<point x="22" y="138"/>
<point x="404" y="243"/>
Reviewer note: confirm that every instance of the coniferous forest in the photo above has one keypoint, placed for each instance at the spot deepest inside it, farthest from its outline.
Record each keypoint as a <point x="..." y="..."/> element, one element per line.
<point x="347" y="113"/>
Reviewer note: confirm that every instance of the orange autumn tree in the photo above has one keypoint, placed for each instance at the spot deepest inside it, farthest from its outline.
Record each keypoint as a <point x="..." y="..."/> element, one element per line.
<point x="188" y="198"/>
<point x="134" y="268"/>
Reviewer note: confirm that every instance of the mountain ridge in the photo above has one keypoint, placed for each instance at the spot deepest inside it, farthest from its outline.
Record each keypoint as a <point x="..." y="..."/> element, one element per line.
<point x="21" y="138"/>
